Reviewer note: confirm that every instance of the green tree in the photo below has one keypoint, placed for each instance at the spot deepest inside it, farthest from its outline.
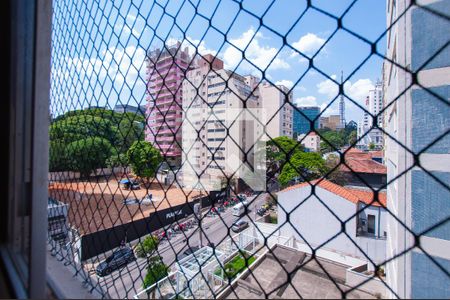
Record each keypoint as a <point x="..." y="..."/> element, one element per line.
<point x="304" y="166"/>
<point x="331" y="140"/>
<point x="144" y="159"/>
<point x="371" y="146"/>
<point x="78" y="127"/>
<point x="88" y="154"/>
<point x="128" y="131"/>
<point x="336" y="176"/>
<point x="278" y="151"/>
<point x="117" y="160"/>
<point x="352" y="137"/>
<point x="147" y="247"/>
<point x="57" y="156"/>
<point x="156" y="271"/>
<point x="121" y="129"/>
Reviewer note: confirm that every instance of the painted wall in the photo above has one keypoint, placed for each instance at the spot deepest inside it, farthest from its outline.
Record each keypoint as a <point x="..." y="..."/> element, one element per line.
<point x="312" y="222"/>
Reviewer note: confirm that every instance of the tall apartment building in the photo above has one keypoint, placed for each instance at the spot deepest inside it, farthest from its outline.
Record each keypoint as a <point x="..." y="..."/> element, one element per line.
<point x="272" y="98"/>
<point x="416" y="119"/>
<point x="374" y="105"/>
<point x="166" y="70"/>
<point x="302" y="122"/>
<point x="217" y="135"/>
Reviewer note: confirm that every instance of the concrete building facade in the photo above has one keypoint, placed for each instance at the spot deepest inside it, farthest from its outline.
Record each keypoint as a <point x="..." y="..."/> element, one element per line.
<point x="218" y="134"/>
<point x="310" y="141"/>
<point x="272" y="98"/>
<point x="314" y="223"/>
<point x="331" y="122"/>
<point x="166" y="70"/>
<point x="419" y="117"/>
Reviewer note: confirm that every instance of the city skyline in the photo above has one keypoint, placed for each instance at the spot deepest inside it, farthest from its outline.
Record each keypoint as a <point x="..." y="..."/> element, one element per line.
<point x="121" y="70"/>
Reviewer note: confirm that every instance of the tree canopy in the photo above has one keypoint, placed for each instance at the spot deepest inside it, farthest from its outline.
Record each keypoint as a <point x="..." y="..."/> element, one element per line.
<point x="144" y="159"/>
<point x="147" y="247"/>
<point x="278" y="151"/>
<point x="335" y="174"/>
<point x="118" y="130"/>
<point x="86" y="155"/>
<point x="303" y="166"/>
<point x="332" y="140"/>
<point x="156" y="271"/>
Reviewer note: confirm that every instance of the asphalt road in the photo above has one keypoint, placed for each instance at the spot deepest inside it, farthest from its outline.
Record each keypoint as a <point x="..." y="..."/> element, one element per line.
<point x="127" y="282"/>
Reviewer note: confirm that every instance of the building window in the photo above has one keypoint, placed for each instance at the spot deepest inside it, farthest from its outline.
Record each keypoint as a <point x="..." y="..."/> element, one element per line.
<point x="371" y="224"/>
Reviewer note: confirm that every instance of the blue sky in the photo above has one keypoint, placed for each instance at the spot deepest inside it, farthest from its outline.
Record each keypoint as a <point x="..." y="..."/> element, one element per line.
<point x="99" y="46"/>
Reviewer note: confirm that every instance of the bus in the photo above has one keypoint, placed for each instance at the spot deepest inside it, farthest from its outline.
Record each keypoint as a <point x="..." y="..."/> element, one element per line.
<point x="238" y="210"/>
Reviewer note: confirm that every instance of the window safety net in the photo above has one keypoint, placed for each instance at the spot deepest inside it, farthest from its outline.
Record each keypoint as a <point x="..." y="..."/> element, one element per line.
<point x="250" y="149"/>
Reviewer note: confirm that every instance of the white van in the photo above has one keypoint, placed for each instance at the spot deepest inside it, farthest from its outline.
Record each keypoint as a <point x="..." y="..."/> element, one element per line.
<point x="238" y="210"/>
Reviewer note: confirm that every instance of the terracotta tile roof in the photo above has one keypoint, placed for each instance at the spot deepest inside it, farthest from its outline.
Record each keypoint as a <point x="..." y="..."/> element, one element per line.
<point x="354" y="151"/>
<point x="376" y="153"/>
<point x="362" y="162"/>
<point x="363" y="166"/>
<point x="350" y="194"/>
<point x="368" y="196"/>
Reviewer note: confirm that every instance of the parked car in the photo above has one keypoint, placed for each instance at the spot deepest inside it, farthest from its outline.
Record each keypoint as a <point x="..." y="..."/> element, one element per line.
<point x="261" y="211"/>
<point x="239" y="226"/>
<point x="117" y="260"/>
<point x="135" y="185"/>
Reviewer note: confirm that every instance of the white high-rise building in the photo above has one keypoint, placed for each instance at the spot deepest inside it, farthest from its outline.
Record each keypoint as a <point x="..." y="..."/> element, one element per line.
<point x="374" y="105"/>
<point x="218" y="134"/>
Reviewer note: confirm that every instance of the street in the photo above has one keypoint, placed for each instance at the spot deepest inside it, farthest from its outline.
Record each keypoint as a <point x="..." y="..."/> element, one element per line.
<point x="127" y="282"/>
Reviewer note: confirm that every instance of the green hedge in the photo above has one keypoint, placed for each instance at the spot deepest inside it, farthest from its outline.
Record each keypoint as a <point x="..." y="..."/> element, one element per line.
<point x="235" y="266"/>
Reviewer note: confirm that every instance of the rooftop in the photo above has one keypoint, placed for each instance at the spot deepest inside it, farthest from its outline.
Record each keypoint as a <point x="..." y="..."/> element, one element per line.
<point x="267" y="276"/>
<point x="361" y="162"/>
<point x="351" y="194"/>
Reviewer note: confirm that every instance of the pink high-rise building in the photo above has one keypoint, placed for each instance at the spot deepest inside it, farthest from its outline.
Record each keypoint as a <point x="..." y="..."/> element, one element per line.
<point x="166" y="70"/>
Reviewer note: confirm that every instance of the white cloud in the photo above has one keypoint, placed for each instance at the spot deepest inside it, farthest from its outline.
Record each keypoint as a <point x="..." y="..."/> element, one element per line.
<point x="332" y="110"/>
<point x="120" y="65"/>
<point x="201" y="47"/>
<point x="130" y="18"/>
<point x="192" y="44"/>
<point x="357" y="91"/>
<point x="286" y="83"/>
<point x="256" y="53"/>
<point x="306" y="101"/>
<point x="125" y="64"/>
<point x="300" y="88"/>
<point x="123" y="26"/>
<point x="328" y="88"/>
<point x="308" y="44"/>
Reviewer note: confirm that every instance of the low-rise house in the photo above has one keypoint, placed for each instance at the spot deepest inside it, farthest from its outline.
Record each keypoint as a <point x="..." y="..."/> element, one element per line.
<point x="310" y="141"/>
<point x="340" y="219"/>
<point x="364" y="168"/>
